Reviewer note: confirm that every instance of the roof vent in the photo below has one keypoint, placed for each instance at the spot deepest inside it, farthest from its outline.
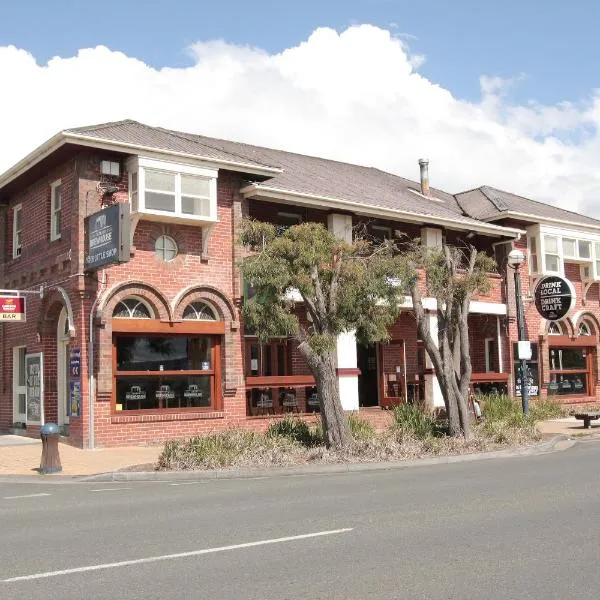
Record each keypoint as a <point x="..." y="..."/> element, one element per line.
<point x="424" y="165"/>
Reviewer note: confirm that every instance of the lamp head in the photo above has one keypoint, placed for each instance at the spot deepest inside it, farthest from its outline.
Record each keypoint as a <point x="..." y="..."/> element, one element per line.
<point x="515" y="258"/>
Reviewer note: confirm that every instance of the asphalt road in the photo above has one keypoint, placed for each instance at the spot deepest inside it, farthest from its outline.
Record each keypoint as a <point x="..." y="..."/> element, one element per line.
<point x="515" y="528"/>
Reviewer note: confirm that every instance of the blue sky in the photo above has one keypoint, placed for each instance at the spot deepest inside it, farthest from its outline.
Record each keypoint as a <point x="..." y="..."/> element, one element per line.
<point x="499" y="93"/>
<point x="552" y="43"/>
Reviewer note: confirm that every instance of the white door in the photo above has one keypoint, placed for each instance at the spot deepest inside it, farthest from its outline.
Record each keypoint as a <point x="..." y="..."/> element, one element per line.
<point x="19" y="385"/>
<point x="62" y="367"/>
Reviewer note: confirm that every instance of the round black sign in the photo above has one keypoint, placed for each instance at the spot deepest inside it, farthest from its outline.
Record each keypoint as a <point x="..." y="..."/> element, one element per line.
<point x="554" y="297"/>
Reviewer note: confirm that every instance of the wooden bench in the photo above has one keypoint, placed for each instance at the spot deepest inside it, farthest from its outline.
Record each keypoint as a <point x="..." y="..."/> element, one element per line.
<point x="587" y="418"/>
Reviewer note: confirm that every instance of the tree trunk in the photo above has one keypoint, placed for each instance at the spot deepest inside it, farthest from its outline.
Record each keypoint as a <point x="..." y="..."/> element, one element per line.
<point x="335" y="421"/>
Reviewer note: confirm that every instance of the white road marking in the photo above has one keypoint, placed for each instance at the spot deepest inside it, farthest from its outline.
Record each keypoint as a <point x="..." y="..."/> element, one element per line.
<point x="151" y="559"/>
<point x="26" y="496"/>
<point x="188" y="483"/>
<point x="111" y="489"/>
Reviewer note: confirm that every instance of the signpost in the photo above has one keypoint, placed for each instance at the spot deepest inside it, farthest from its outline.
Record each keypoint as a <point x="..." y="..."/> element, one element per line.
<point x="107" y="239"/>
<point x="554" y="297"/>
<point x="12" y="309"/>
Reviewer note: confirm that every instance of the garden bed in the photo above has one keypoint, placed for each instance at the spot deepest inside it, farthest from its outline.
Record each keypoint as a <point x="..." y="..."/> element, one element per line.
<point x="413" y="434"/>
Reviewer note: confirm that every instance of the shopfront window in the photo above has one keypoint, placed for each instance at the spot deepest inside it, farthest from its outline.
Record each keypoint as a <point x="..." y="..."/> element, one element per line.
<point x="155" y="372"/>
<point x="569" y="371"/>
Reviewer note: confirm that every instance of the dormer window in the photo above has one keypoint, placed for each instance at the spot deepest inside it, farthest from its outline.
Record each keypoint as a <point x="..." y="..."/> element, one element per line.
<point x="164" y="191"/>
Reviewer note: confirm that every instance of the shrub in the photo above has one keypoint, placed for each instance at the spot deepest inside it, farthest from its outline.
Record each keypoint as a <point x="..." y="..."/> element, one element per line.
<point x="500" y="407"/>
<point x="360" y="428"/>
<point x="227" y="448"/>
<point x="292" y="428"/>
<point x="505" y="408"/>
<point x="546" y="409"/>
<point x="410" y="419"/>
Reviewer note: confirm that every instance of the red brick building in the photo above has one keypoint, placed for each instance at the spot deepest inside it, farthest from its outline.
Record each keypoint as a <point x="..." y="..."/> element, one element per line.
<point x="154" y="347"/>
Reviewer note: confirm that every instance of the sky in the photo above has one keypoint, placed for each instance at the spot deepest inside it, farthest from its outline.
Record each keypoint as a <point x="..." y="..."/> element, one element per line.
<point x="499" y="93"/>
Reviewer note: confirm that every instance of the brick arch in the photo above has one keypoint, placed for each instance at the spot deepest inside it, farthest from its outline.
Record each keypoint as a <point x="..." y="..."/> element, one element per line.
<point x="123" y="290"/>
<point x="212" y="295"/>
<point x="230" y="349"/>
<point x="51" y="306"/>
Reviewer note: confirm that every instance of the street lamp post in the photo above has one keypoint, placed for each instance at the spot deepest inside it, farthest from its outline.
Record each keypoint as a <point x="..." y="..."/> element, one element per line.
<point x="515" y="259"/>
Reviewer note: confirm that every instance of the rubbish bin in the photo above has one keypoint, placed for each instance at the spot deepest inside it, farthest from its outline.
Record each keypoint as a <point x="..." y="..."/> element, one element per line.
<point x="50" y="462"/>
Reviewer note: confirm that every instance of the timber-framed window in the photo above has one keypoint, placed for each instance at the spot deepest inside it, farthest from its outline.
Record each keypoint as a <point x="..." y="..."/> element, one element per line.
<point x="160" y="367"/>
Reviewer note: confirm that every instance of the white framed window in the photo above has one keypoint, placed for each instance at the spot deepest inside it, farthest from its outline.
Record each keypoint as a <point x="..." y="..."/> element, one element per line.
<point x="554" y="328"/>
<point x="55" y="210"/>
<point x="200" y="311"/>
<point x="490" y="354"/>
<point x="19" y="385"/>
<point x="132" y="308"/>
<point x="165" y="248"/>
<point x="172" y="191"/>
<point x="551" y="254"/>
<point x="584" y="328"/>
<point x="533" y="254"/>
<point x="584" y="249"/>
<point x="569" y="248"/>
<point x="17" y="240"/>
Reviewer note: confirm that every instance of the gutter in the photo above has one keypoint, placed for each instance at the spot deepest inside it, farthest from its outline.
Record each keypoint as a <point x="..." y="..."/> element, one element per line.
<point x="254" y="190"/>
<point x="540" y="220"/>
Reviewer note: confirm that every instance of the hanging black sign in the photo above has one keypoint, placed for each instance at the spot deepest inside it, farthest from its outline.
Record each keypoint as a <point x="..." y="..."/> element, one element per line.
<point x="554" y="297"/>
<point x="107" y="237"/>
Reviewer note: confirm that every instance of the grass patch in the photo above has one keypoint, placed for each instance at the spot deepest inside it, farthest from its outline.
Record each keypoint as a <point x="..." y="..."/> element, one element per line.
<point x="226" y="449"/>
<point x="411" y="420"/>
<point x="294" y="429"/>
<point x="547" y="409"/>
<point x="360" y="428"/>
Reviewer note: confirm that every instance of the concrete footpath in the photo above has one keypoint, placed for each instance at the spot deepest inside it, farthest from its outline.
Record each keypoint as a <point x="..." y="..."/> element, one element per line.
<point x="20" y="456"/>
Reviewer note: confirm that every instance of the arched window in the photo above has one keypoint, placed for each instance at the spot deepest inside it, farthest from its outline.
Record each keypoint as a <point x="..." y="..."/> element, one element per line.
<point x="132" y="308"/>
<point x="199" y="311"/>
<point x="555" y="328"/>
<point x="585" y="328"/>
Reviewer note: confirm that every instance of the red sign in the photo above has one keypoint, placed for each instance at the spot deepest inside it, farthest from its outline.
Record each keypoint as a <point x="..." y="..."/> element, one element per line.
<point x="12" y="308"/>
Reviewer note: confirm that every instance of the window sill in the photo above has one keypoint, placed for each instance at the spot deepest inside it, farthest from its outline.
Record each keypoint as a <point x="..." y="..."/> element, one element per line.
<point x="155" y="417"/>
<point x="173" y="217"/>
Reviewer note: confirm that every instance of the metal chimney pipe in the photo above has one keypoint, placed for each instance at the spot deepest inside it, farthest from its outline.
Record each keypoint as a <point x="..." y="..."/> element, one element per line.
<point x="424" y="165"/>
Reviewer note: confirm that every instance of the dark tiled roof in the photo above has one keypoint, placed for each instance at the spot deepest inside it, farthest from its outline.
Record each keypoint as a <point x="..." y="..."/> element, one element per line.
<point x="488" y="203"/>
<point x="332" y="179"/>
<point x="299" y="173"/>
<point x="132" y="132"/>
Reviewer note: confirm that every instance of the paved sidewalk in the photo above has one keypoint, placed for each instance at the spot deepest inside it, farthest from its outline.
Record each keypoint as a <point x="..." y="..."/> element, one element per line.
<point x="21" y="456"/>
<point x="568" y="426"/>
<point x="24" y="459"/>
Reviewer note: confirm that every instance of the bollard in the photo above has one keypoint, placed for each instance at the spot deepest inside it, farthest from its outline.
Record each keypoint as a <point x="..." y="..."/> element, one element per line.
<point x="50" y="462"/>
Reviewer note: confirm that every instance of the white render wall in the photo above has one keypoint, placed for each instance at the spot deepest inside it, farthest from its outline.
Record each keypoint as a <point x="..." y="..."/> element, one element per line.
<point x="341" y="227"/>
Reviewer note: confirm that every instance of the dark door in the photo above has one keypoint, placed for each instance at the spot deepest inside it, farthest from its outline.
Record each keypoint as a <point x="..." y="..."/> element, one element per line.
<point x="367" y="380"/>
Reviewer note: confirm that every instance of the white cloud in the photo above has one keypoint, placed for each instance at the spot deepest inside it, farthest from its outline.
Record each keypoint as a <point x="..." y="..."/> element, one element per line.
<point x="354" y="96"/>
